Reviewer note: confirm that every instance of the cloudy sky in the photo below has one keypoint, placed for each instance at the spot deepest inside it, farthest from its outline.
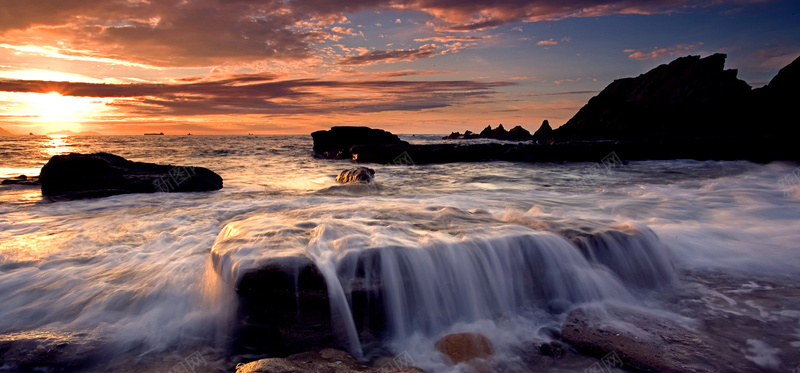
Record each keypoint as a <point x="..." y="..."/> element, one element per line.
<point x="409" y="66"/>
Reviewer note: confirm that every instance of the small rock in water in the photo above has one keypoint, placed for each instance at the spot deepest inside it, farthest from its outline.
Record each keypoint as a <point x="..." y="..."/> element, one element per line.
<point x="463" y="347"/>
<point x="356" y="175"/>
<point x="21" y="180"/>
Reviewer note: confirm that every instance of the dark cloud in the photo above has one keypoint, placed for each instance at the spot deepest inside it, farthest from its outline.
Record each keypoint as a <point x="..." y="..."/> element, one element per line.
<point x="261" y="94"/>
<point x="427" y="50"/>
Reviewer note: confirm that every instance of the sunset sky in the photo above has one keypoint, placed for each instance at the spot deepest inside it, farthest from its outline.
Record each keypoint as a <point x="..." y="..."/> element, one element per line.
<point x="408" y="66"/>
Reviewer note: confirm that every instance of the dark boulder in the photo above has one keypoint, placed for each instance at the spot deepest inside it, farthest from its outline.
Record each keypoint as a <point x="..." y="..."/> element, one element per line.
<point x="76" y="176"/>
<point x="356" y="175"/>
<point x="336" y="142"/>
<point x="283" y="308"/>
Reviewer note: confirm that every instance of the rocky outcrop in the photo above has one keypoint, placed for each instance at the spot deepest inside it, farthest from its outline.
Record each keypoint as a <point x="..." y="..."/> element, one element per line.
<point x="649" y="343"/>
<point x="336" y="142"/>
<point x="516" y="134"/>
<point x="691" y="108"/>
<point x="361" y="175"/>
<point x="773" y="105"/>
<point x="688" y="97"/>
<point x="76" y="176"/>
<point x="463" y="347"/>
<point x="544" y="134"/>
<point x="325" y="361"/>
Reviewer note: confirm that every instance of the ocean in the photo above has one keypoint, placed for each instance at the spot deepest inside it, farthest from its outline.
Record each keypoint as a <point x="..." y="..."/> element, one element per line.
<point x="720" y="245"/>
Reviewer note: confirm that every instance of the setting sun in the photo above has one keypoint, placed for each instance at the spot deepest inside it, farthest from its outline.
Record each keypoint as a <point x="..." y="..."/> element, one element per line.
<point x="54" y="108"/>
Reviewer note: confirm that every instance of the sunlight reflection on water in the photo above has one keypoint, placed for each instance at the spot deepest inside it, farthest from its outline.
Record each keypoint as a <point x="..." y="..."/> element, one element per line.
<point x="56" y="145"/>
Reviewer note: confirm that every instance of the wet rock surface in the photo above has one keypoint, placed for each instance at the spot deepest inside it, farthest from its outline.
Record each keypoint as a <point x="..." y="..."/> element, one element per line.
<point x="647" y="342"/>
<point x="48" y="351"/>
<point x="77" y="176"/>
<point x="356" y="175"/>
<point x="325" y="361"/>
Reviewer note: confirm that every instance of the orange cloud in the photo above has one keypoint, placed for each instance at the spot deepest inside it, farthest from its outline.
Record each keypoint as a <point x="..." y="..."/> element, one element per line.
<point x="656" y="52"/>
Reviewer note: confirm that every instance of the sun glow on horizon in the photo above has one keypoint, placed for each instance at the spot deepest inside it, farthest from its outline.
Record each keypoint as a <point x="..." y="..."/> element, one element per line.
<point x="55" y="111"/>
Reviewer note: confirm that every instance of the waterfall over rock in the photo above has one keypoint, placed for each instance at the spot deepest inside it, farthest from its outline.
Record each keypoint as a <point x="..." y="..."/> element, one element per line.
<point x="343" y="283"/>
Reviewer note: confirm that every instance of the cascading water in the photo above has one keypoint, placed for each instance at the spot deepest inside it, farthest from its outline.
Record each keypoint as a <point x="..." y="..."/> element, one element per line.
<point x="390" y="282"/>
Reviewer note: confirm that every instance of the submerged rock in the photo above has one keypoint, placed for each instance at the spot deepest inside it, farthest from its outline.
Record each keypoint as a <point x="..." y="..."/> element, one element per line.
<point x="463" y="347"/>
<point x="647" y="342"/>
<point x="336" y="142"/>
<point x="21" y="180"/>
<point x="356" y="175"/>
<point x="47" y="351"/>
<point x="325" y="361"/>
<point x="76" y="176"/>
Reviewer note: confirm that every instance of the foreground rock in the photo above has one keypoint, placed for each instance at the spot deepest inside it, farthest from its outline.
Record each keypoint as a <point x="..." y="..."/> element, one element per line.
<point x="76" y="176"/>
<point x="356" y="175"/>
<point x="650" y="343"/>
<point x="336" y="142"/>
<point x="325" y="361"/>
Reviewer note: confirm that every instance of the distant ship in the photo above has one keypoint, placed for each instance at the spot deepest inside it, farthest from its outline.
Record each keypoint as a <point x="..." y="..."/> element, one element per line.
<point x="154" y="134"/>
<point x="188" y="134"/>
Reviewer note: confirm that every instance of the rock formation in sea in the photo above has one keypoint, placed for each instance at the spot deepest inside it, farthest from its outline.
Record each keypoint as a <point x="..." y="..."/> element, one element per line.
<point x="691" y="108"/>
<point x="544" y="134"/>
<point x="76" y="176"/>
<point x="21" y="180"/>
<point x="515" y="134"/>
<point x="689" y="97"/>
<point x="336" y="142"/>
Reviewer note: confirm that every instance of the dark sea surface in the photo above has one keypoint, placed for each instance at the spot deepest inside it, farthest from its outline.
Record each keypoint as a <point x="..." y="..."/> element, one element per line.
<point x="133" y="270"/>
